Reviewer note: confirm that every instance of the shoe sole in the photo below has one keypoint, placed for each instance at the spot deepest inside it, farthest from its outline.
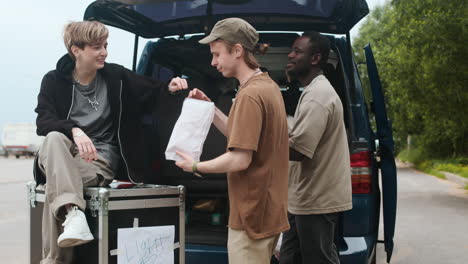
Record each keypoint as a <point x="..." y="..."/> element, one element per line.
<point x="71" y="242"/>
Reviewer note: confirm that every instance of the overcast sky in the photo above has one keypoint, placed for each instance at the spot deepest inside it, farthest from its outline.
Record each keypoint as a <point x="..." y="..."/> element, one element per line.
<point x="31" y="43"/>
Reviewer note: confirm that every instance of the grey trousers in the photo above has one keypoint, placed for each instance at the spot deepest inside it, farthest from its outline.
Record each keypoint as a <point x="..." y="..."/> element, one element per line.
<point x="67" y="174"/>
<point x="310" y="240"/>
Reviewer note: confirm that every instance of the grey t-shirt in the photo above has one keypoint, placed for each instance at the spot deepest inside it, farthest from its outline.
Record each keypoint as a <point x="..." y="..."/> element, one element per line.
<point x="91" y="111"/>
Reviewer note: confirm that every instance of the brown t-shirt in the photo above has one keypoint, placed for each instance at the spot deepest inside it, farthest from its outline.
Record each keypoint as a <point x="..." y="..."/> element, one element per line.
<point x="258" y="195"/>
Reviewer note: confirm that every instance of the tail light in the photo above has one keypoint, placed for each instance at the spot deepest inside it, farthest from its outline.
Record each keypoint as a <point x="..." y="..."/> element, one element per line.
<point x="361" y="172"/>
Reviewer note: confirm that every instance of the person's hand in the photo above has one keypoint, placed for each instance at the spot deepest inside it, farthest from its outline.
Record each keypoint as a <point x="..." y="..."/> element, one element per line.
<point x="185" y="164"/>
<point x="198" y="94"/>
<point x="177" y="84"/>
<point x="85" y="146"/>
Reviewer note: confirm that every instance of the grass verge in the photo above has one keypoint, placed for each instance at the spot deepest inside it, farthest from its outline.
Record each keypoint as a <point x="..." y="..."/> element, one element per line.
<point x="434" y="167"/>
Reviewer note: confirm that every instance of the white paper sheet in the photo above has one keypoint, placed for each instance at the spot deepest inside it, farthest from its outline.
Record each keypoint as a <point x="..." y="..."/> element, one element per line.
<point x="146" y="245"/>
<point x="191" y="129"/>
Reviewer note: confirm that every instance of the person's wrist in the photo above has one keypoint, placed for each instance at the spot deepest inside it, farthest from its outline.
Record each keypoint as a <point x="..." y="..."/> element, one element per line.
<point x="78" y="133"/>
<point x="195" y="169"/>
<point x="170" y="90"/>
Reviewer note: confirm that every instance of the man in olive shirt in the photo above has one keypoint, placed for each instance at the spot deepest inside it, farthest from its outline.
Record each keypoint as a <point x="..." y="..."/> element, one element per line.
<point x="319" y="174"/>
<point x="257" y="156"/>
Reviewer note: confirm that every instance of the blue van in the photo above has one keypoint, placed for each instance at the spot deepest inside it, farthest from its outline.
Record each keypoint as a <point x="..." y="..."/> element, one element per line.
<point x="278" y="23"/>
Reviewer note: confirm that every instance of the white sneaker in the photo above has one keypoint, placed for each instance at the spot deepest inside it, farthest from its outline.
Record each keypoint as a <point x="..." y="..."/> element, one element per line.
<point x="76" y="230"/>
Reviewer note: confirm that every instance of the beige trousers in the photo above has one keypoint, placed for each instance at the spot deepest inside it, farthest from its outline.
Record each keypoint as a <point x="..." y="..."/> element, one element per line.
<point x="243" y="250"/>
<point x="67" y="174"/>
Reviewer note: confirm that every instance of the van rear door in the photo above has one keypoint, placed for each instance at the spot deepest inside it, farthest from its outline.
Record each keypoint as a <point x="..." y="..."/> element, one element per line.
<point x="385" y="152"/>
<point x="160" y="18"/>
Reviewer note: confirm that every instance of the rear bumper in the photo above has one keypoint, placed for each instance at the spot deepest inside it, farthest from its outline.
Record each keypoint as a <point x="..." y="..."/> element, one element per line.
<point x="200" y="254"/>
<point x="358" y="251"/>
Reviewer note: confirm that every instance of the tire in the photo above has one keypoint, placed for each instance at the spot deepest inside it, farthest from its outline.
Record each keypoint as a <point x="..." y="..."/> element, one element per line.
<point x="17" y="156"/>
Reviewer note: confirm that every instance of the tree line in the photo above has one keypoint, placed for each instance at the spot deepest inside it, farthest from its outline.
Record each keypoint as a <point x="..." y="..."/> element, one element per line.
<point x="421" y="49"/>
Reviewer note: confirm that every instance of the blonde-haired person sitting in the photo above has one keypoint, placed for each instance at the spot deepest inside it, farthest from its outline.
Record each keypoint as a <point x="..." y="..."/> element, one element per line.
<point x="87" y="109"/>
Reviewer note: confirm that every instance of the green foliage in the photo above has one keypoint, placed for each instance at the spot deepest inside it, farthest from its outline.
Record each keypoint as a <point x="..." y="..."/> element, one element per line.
<point x="426" y="167"/>
<point x="420" y="161"/>
<point x="420" y="49"/>
<point x="448" y="166"/>
<point x="414" y="156"/>
<point x="435" y="167"/>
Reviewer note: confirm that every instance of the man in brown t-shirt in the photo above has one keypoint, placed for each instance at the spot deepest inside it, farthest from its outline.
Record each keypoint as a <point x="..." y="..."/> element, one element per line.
<point x="257" y="158"/>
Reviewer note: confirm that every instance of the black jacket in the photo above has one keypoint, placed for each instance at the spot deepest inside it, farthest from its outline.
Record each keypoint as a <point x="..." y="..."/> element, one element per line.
<point x="130" y="97"/>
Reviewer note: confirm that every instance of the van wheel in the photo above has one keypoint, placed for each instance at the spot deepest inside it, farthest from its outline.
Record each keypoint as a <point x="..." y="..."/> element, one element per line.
<point x="17" y="156"/>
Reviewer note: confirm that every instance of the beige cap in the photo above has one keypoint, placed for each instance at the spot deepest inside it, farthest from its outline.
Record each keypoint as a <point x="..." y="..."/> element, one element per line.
<point x="233" y="30"/>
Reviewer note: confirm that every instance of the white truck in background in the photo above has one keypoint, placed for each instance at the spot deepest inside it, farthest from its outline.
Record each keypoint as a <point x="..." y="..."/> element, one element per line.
<point x="21" y="139"/>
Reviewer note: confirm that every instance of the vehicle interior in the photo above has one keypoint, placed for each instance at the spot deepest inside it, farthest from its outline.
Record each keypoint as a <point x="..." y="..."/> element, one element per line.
<point x="207" y="204"/>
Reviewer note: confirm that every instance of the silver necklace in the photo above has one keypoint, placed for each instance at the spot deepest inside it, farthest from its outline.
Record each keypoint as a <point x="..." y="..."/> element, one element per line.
<point x="94" y="103"/>
<point x="253" y="74"/>
<point x="242" y="85"/>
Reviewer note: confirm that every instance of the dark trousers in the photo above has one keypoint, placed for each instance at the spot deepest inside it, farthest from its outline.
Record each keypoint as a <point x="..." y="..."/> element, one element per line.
<point x="310" y="240"/>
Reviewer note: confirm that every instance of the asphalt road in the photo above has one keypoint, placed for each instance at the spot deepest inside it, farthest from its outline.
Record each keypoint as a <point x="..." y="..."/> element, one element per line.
<point x="432" y="218"/>
<point x="14" y="223"/>
<point x="432" y="221"/>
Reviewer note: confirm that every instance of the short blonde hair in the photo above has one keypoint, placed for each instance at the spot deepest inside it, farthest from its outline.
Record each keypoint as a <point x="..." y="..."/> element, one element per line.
<point x="83" y="33"/>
